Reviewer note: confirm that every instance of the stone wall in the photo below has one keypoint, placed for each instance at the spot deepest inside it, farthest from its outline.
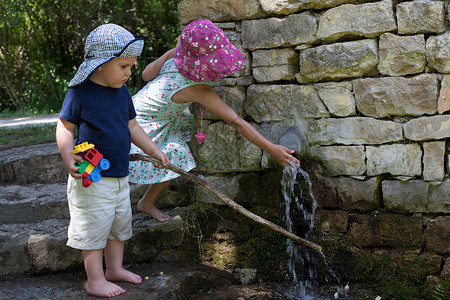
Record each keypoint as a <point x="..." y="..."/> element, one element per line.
<point x="368" y="84"/>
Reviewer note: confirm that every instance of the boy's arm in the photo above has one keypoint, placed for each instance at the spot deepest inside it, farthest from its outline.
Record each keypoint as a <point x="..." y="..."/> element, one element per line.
<point x="141" y="139"/>
<point x="152" y="69"/>
<point x="64" y="138"/>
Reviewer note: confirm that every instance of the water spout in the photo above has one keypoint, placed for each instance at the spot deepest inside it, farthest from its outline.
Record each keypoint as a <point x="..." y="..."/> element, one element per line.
<point x="294" y="140"/>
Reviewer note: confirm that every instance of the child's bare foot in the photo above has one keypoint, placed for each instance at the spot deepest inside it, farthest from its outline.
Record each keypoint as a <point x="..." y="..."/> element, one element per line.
<point x="152" y="211"/>
<point x="123" y="275"/>
<point x="103" y="288"/>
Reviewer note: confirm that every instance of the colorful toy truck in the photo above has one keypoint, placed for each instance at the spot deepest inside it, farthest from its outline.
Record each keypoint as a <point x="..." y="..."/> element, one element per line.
<point x="92" y="165"/>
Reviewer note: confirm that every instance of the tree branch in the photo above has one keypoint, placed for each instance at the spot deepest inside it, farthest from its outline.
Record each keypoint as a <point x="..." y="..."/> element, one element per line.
<point x="227" y="200"/>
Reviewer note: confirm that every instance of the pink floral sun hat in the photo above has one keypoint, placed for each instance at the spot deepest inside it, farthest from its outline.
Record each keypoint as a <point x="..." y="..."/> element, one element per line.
<point x="205" y="53"/>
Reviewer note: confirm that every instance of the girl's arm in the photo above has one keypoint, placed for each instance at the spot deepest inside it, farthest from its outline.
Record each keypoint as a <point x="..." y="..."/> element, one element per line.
<point x="152" y="69"/>
<point x="208" y="97"/>
<point x="64" y="139"/>
<point x="141" y="139"/>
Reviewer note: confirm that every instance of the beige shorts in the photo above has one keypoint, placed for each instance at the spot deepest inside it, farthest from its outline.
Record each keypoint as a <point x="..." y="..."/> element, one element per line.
<point x="98" y="213"/>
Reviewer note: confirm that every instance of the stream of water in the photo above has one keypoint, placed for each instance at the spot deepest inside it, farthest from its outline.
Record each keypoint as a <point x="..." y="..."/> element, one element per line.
<point x="300" y="207"/>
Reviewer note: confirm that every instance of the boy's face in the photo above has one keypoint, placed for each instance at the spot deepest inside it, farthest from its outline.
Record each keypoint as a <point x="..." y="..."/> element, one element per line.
<point x="115" y="72"/>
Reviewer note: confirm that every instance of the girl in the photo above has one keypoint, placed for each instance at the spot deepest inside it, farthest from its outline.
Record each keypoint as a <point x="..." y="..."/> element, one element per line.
<point x="180" y="77"/>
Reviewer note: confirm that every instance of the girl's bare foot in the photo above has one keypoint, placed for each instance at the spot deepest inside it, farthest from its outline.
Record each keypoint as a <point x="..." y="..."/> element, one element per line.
<point x="103" y="288"/>
<point x="152" y="211"/>
<point x="123" y="275"/>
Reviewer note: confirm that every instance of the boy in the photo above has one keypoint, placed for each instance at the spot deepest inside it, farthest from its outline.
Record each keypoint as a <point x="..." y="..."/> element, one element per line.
<point x="100" y="107"/>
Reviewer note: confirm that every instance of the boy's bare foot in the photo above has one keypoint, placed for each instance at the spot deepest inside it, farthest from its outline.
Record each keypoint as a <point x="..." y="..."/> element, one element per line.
<point x="103" y="288"/>
<point x="123" y="275"/>
<point x="152" y="211"/>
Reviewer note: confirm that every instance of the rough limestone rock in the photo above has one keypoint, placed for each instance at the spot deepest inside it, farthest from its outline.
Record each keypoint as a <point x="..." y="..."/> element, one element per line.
<point x="341" y="160"/>
<point x="438" y="52"/>
<point x="396" y="96"/>
<point x="33" y="203"/>
<point x="394" y="159"/>
<point x="416" y="196"/>
<point x="421" y="17"/>
<point x="438" y="200"/>
<point x="14" y="255"/>
<point x="405" y="196"/>
<point x="224" y="151"/>
<point x="433" y="161"/>
<point x="448" y="164"/>
<point x="401" y="55"/>
<point x="228" y="185"/>
<point x="358" y="195"/>
<point x="279" y="32"/>
<point x="354" y="130"/>
<point x="437" y="235"/>
<point x="219" y="10"/>
<point x="245" y="70"/>
<point x="32" y="164"/>
<point x="49" y="252"/>
<point x="274" y="65"/>
<point x="330" y="220"/>
<point x="428" y="128"/>
<point x="444" y="95"/>
<point x="286" y="7"/>
<point x="281" y="102"/>
<point x="386" y="230"/>
<point x="364" y="20"/>
<point x="338" y="61"/>
<point x="232" y="96"/>
<point x="445" y="274"/>
<point x="338" y="98"/>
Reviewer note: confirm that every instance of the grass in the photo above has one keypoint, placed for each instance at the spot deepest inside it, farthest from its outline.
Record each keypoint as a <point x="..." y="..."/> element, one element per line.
<point x="27" y="135"/>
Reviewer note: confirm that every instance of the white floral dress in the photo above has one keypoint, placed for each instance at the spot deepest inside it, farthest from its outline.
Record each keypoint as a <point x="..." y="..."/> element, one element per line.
<point x="159" y="116"/>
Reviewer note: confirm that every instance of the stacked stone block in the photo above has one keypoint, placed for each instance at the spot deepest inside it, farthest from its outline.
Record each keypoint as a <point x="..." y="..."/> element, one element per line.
<point x="368" y="84"/>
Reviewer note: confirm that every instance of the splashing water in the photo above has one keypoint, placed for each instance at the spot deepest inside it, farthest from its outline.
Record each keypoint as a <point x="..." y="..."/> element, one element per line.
<point x="300" y="207"/>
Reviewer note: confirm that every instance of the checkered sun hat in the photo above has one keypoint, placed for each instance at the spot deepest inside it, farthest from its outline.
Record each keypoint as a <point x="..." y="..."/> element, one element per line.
<point x="103" y="44"/>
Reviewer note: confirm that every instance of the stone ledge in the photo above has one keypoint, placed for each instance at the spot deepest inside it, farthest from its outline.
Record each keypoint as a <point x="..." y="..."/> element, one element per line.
<point x="41" y="247"/>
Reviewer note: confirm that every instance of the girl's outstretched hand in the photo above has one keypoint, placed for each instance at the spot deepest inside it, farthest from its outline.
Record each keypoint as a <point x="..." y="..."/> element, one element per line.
<point x="283" y="156"/>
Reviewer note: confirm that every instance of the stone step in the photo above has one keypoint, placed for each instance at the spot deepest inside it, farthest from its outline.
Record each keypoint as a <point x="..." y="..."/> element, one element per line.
<point x="161" y="280"/>
<point x="38" y="202"/>
<point x="33" y="203"/>
<point x="40" y="247"/>
<point x="32" y="164"/>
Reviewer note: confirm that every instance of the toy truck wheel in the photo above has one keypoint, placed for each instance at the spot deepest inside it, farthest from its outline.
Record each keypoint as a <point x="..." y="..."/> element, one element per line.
<point x="95" y="176"/>
<point x="104" y="164"/>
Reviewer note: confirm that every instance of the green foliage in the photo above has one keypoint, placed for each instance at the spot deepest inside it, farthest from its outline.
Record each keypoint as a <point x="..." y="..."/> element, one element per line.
<point x="42" y="44"/>
<point x="441" y="291"/>
<point x="438" y="293"/>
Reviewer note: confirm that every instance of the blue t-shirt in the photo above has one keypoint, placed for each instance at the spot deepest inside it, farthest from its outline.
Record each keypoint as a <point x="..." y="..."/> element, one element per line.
<point x="101" y="115"/>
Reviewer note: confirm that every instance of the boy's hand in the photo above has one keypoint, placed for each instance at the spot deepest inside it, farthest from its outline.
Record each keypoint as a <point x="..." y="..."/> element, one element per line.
<point x="72" y="168"/>
<point x="158" y="154"/>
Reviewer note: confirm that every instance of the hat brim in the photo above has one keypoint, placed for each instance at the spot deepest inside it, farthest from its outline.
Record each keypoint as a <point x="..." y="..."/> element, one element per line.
<point x="212" y="66"/>
<point x="89" y="66"/>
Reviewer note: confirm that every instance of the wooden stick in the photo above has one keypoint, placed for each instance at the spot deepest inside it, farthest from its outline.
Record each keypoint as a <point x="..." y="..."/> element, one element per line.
<point x="227" y="200"/>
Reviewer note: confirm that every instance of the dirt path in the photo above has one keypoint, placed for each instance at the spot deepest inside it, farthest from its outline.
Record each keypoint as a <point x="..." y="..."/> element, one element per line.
<point x="28" y="121"/>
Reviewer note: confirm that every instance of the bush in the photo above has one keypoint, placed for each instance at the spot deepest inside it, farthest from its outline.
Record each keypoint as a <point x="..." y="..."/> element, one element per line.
<point x="42" y="44"/>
